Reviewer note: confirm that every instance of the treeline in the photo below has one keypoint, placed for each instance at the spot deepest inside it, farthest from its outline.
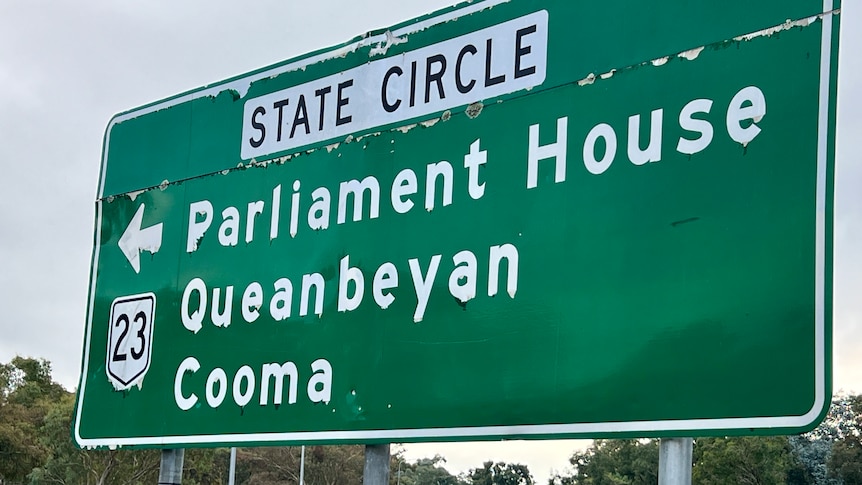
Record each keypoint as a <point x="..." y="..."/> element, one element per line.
<point x="36" y="448"/>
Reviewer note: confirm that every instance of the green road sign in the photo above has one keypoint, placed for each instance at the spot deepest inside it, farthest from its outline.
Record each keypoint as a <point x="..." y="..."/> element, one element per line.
<point x="508" y="219"/>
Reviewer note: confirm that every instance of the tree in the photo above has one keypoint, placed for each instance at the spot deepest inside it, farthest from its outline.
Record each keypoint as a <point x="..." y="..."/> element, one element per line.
<point x="613" y="462"/>
<point x="813" y="451"/>
<point x="845" y="463"/>
<point x="426" y="471"/>
<point x="26" y="393"/>
<point x="206" y="466"/>
<point x="747" y="460"/>
<point x="324" y="465"/>
<point x="500" y="474"/>
<point x="65" y="464"/>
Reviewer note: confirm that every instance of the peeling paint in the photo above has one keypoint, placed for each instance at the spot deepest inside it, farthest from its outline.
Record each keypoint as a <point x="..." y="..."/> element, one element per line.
<point x="197" y="243"/>
<point x="691" y="54"/>
<point x="368" y="135"/>
<point x="474" y="110"/>
<point x="383" y="41"/>
<point x="591" y="78"/>
<point x="779" y="28"/>
<point x="239" y="88"/>
<point x="383" y="47"/>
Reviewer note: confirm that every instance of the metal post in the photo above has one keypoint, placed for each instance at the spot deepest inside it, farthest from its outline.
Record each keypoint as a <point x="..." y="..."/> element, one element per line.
<point x="398" y="481"/>
<point x="231" y="479"/>
<point x="674" y="461"/>
<point x="302" y="466"/>
<point x="376" y="465"/>
<point x="171" y="468"/>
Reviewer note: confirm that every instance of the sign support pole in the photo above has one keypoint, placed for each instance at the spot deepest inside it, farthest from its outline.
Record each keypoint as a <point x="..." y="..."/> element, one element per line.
<point x="674" y="461"/>
<point x="171" y="468"/>
<point x="232" y="471"/>
<point x="376" y="470"/>
<point x="302" y="466"/>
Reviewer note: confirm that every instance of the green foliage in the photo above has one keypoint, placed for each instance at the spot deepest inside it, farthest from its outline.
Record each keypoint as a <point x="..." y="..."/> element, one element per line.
<point x="66" y="464"/>
<point x="845" y="462"/>
<point x="26" y="394"/>
<point x="206" y="466"/>
<point x="614" y="462"/>
<point x="324" y="465"/>
<point x="500" y="474"/>
<point x="748" y="460"/>
<point x="36" y="448"/>
<point x="426" y="471"/>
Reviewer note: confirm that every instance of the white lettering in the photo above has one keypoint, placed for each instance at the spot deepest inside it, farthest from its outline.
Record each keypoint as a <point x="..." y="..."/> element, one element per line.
<point x="194" y="321"/>
<point x="404" y="184"/>
<point x="322" y="377"/>
<point x="189" y="364"/>
<point x="385" y="278"/>
<point x="423" y="285"/>
<point x="252" y="299"/>
<point x="754" y="110"/>
<point x="556" y="150"/>
<point x="653" y="150"/>
<point x="594" y="166"/>
<point x="498" y="254"/>
<point x="198" y="229"/>
<point x="688" y="123"/>
<point x="346" y="275"/>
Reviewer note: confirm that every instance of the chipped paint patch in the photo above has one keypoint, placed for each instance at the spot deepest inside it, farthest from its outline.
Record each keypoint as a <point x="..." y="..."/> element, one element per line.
<point x="368" y="135"/>
<point x="446" y="115"/>
<point x="383" y="47"/>
<point x="134" y="194"/>
<point x="406" y="128"/>
<point x="430" y="123"/>
<point x="591" y="78"/>
<point x="787" y="25"/>
<point x="474" y="110"/>
<point x="331" y="147"/>
<point x="164" y="185"/>
<point x="691" y="54"/>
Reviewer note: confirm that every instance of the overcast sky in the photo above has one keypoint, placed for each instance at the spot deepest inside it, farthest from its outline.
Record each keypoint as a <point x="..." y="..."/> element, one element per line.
<point x="67" y="67"/>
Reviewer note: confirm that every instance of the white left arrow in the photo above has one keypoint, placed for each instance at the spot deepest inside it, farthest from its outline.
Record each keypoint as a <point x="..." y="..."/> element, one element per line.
<point x="135" y="239"/>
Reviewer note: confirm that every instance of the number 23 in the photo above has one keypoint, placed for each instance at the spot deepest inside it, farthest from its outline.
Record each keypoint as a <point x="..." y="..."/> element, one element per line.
<point x="123" y="321"/>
